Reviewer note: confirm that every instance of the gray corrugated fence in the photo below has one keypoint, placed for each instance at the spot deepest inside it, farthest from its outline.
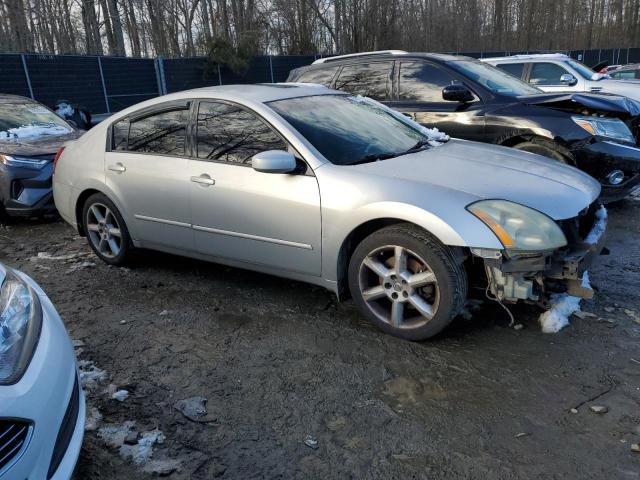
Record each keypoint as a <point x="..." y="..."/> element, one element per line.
<point x="109" y="84"/>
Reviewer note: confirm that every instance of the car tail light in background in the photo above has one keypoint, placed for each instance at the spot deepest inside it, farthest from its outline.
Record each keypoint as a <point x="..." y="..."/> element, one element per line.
<point x="57" y="157"/>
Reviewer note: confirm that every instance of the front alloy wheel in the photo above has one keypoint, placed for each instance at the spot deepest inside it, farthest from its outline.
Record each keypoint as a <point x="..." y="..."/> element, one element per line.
<point x="399" y="287"/>
<point x="406" y="282"/>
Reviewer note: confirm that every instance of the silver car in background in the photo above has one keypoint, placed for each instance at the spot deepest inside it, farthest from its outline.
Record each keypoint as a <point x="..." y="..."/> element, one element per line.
<point x="332" y="189"/>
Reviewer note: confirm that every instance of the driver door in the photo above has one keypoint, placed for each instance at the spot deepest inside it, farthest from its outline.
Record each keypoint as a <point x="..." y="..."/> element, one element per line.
<point x="419" y="96"/>
<point x="265" y="219"/>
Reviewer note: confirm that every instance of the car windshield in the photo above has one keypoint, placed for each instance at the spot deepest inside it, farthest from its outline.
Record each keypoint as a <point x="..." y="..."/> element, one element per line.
<point x="584" y="71"/>
<point x="493" y="78"/>
<point x="21" y="120"/>
<point x="351" y="129"/>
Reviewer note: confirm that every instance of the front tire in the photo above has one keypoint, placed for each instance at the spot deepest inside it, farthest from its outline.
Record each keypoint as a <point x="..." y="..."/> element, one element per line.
<point x="406" y="282"/>
<point x="546" y="149"/>
<point x="106" y="231"/>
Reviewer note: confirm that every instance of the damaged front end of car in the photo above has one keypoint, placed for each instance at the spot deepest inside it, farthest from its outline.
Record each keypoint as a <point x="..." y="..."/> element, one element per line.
<point x="603" y="138"/>
<point x="516" y="274"/>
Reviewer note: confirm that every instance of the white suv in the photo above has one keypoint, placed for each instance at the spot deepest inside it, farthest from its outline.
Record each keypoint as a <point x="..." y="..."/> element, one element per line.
<point x="560" y="73"/>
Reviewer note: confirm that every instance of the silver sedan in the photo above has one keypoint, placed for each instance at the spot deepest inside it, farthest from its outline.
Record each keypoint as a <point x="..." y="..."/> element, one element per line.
<point x="332" y="189"/>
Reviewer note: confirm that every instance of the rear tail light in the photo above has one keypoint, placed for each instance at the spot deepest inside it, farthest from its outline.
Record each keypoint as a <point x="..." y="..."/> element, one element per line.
<point x="57" y="157"/>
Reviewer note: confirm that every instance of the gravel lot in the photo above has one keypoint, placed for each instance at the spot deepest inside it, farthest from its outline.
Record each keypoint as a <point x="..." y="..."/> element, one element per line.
<point x="278" y="361"/>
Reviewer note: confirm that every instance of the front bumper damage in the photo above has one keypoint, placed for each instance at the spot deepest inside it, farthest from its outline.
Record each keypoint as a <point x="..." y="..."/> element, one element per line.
<point x="533" y="276"/>
<point x="600" y="158"/>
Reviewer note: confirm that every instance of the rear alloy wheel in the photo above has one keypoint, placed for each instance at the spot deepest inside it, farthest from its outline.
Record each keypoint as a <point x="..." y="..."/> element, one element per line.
<point x="105" y="230"/>
<point x="407" y="283"/>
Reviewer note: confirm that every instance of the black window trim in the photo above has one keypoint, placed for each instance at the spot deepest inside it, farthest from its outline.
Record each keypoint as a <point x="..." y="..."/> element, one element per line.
<point x="531" y="64"/>
<point x="369" y="61"/>
<point x="193" y="134"/>
<point x="148" y="112"/>
<point x="471" y="85"/>
<point x="190" y="134"/>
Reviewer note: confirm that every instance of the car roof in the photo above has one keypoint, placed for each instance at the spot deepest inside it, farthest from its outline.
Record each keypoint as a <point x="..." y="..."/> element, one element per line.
<point x="261" y="92"/>
<point x="8" y="98"/>
<point x="382" y="55"/>
<point x="536" y="56"/>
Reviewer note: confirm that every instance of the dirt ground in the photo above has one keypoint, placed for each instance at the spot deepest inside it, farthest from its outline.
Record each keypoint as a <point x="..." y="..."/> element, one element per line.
<point x="278" y="361"/>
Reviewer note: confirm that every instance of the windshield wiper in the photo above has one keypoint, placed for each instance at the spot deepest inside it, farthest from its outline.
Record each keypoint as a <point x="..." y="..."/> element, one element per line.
<point x="373" y="157"/>
<point x="418" y="146"/>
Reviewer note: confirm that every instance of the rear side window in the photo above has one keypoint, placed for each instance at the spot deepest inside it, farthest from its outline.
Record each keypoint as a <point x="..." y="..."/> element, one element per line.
<point x="322" y="76"/>
<point x="514" y="69"/>
<point x="161" y="132"/>
<point x="366" y="79"/>
<point x="423" y="82"/>
<point x="229" y="133"/>
<point x="546" y="74"/>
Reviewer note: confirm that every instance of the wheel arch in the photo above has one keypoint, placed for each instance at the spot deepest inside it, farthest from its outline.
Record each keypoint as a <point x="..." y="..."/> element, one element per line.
<point x="80" y="201"/>
<point x="556" y="144"/>
<point x="359" y="233"/>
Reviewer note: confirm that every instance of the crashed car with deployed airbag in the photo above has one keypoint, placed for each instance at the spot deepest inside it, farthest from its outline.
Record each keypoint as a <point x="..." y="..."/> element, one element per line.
<point x="336" y="190"/>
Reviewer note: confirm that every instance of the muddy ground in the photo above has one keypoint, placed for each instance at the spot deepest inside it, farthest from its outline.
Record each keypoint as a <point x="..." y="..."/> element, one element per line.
<point x="279" y="360"/>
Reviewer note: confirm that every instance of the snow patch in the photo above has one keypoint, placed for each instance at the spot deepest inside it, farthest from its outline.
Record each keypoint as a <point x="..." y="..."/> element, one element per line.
<point x="599" y="227"/>
<point x="48" y="256"/>
<point x="90" y="374"/>
<point x="562" y="307"/>
<point x="64" y="110"/>
<point x="141" y="452"/>
<point x="120" y="395"/>
<point x="29" y="131"/>
<point x="115" y="435"/>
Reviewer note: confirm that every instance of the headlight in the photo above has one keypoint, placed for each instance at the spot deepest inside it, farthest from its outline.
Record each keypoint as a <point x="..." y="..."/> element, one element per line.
<point x="613" y="128"/>
<point x="20" y="323"/>
<point x="519" y="228"/>
<point x="23" y="162"/>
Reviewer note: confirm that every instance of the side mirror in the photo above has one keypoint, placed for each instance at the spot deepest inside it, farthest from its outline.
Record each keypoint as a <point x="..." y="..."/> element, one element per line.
<point x="273" y="161"/>
<point x="568" y="79"/>
<point x="457" y="93"/>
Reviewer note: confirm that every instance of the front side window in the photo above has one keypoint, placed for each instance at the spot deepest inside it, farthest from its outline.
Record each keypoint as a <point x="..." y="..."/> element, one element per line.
<point x="546" y="74"/>
<point x="366" y="79"/>
<point x="423" y="82"/>
<point x="230" y="133"/>
<point x="322" y="76"/>
<point x="162" y="132"/>
<point x="514" y="69"/>
<point x="348" y="129"/>
<point x="624" y="75"/>
<point x="492" y="78"/>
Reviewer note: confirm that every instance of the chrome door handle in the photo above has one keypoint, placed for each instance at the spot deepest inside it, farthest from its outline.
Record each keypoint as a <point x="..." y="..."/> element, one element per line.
<point x="118" y="167"/>
<point x="204" y="179"/>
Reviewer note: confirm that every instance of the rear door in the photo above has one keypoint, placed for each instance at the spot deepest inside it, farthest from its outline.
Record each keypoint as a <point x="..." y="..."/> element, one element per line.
<point x="419" y="95"/>
<point x="370" y="79"/>
<point x="146" y="169"/>
<point x="240" y="214"/>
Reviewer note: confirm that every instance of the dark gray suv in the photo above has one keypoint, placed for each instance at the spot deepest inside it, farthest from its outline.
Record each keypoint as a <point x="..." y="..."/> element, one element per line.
<point x="30" y="136"/>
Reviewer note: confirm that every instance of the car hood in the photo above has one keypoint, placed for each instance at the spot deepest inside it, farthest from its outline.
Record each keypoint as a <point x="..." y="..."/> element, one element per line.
<point x="601" y="102"/>
<point x="492" y="172"/>
<point x="35" y="146"/>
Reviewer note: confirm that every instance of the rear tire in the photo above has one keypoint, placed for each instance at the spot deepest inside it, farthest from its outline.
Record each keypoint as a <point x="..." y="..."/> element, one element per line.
<point x="106" y="231"/>
<point x="406" y="282"/>
<point x="546" y="149"/>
